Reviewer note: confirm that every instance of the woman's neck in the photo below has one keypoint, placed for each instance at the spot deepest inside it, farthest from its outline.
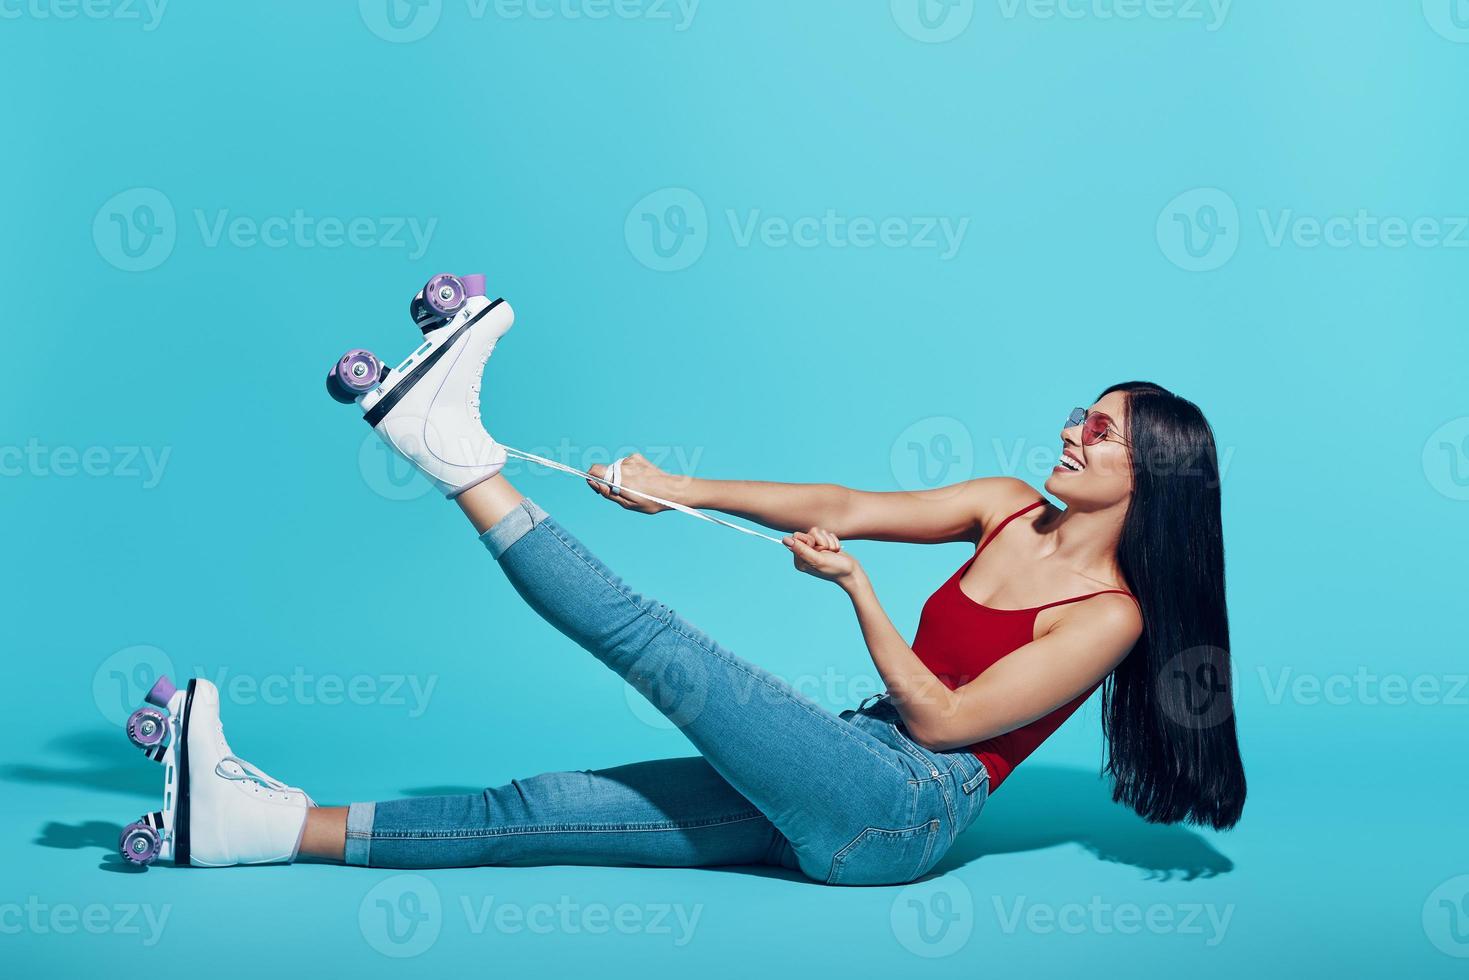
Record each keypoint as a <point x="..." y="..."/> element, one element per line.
<point x="1087" y="540"/>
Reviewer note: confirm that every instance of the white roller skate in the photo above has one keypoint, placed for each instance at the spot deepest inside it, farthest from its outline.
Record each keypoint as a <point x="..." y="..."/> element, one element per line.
<point x="218" y="810"/>
<point x="427" y="408"/>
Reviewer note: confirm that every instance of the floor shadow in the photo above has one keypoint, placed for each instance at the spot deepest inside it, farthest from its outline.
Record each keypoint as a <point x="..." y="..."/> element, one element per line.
<point x="1043" y="806"/>
<point x="103" y="759"/>
<point x="71" y="837"/>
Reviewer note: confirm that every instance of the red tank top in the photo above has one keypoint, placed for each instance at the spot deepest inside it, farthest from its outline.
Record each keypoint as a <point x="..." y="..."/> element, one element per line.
<point x="959" y="639"/>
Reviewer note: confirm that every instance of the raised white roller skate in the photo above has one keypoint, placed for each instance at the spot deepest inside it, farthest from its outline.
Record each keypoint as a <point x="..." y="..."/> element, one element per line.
<point x="427" y="408"/>
<point x="218" y="809"/>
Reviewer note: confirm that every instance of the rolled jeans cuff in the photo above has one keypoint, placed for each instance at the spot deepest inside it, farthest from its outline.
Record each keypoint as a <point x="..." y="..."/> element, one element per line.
<point x="359" y="834"/>
<point x="512" y="527"/>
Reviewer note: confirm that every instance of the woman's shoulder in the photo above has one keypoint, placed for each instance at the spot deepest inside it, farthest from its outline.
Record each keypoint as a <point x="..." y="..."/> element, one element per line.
<point x="1000" y="498"/>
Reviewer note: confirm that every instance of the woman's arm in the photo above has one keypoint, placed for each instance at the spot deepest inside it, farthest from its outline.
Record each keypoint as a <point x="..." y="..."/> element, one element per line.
<point x="1030" y="683"/>
<point x="952" y="513"/>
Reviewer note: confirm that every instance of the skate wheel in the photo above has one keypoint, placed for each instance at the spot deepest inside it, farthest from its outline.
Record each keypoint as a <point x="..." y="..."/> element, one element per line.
<point x="445" y="294"/>
<point x="356" y="373"/>
<point x="474" y="285"/>
<point x="146" y="727"/>
<point x="139" y="843"/>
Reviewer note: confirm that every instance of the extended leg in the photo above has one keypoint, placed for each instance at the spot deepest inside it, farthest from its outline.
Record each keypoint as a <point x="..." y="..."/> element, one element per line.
<point x="668" y="813"/>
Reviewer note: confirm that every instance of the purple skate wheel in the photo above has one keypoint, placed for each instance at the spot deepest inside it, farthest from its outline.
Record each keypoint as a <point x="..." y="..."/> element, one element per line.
<point x="161" y="692"/>
<point x="474" y="285"/>
<point x="445" y="294"/>
<point x="146" y="727"/>
<point x="356" y="373"/>
<point x="139" y="843"/>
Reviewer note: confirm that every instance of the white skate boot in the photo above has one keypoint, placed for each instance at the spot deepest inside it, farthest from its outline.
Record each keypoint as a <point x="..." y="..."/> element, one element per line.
<point x="218" y="809"/>
<point x="427" y="408"/>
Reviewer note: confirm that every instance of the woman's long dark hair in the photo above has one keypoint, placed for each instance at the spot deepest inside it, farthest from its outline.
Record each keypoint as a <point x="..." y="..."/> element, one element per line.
<point x="1168" y="707"/>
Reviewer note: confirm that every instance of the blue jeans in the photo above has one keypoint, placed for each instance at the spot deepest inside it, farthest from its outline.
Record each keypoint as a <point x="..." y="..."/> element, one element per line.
<point x="847" y="799"/>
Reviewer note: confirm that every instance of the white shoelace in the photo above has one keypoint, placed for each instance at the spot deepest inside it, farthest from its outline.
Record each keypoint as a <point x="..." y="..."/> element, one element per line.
<point x="249" y="773"/>
<point x="613" y="481"/>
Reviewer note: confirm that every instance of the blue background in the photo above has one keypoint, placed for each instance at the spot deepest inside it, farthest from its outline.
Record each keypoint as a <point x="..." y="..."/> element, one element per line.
<point x="278" y="542"/>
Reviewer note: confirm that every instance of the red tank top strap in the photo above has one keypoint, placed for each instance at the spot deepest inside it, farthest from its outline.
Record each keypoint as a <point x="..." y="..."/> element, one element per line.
<point x="1092" y="595"/>
<point x="1024" y="510"/>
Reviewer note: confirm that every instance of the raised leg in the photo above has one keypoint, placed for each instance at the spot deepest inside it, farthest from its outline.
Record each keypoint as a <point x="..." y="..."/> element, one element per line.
<point x="819" y="780"/>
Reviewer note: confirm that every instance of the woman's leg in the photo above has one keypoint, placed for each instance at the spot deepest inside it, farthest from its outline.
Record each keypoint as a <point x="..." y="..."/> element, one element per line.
<point x="819" y="780"/>
<point x="668" y="813"/>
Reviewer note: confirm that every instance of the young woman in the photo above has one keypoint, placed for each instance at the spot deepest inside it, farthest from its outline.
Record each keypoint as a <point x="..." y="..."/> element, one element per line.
<point x="1125" y="584"/>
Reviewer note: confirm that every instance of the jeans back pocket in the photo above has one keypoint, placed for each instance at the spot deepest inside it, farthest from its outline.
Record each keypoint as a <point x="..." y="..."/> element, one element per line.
<point x="885" y="857"/>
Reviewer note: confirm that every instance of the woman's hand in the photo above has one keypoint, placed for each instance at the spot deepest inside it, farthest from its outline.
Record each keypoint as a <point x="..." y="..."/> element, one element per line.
<point x="639" y="474"/>
<point x="819" y="553"/>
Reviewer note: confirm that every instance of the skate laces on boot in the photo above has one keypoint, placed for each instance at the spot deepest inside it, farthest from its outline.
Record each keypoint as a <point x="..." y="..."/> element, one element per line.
<point x="234" y="768"/>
